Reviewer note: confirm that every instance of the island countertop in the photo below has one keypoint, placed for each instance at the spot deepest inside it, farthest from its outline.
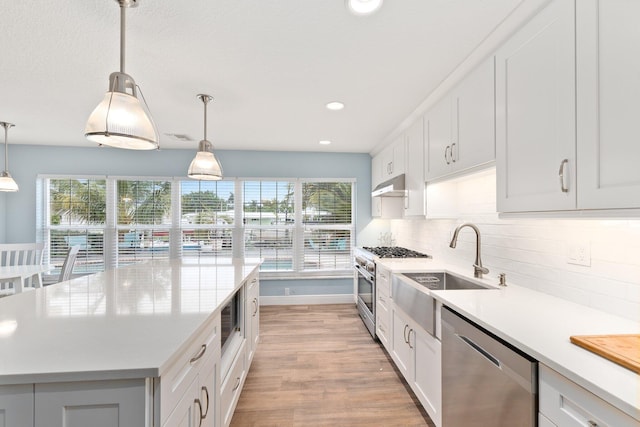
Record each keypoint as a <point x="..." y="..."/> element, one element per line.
<point x="121" y="323"/>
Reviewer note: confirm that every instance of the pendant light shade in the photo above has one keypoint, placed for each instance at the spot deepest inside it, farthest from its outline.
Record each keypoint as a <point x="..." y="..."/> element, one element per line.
<point x="205" y="166"/>
<point x="7" y="183"/>
<point x="122" y="119"/>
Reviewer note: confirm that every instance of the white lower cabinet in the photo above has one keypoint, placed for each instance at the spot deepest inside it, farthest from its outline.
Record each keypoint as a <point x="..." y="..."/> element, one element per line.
<point x="383" y="307"/>
<point x="417" y="355"/>
<point x="91" y="403"/>
<point x="563" y="403"/>
<point x="199" y="404"/>
<point x="16" y="405"/>
<point x="252" y="310"/>
<point x="232" y="386"/>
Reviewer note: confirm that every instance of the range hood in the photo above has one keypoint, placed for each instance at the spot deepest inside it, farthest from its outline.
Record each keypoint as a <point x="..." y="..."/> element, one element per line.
<point x="392" y="188"/>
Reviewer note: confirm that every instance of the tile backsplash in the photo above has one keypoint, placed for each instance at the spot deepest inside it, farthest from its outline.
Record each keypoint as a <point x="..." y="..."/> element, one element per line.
<point x="533" y="252"/>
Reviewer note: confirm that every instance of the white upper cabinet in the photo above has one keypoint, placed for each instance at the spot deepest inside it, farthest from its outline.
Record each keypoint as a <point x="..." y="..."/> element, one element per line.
<point x="392" y="159"/>
<point x="474" y="140"/>
<point x="439" y="139"/>
<point x="535" y="114"/>
<point x="460" y="128"/>
<point x="608" y="107"/>
<point x="414" y="170"/>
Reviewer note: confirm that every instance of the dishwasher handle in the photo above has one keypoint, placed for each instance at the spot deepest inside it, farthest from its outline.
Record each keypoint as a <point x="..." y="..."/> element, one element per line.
<point x="480" y="350"/>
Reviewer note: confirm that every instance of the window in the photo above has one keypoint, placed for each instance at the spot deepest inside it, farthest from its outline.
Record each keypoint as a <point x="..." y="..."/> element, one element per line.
<point x="143" y="220"/>
<point x="207" y="217"/>
<point x="76" y="216"/>
<point x="326" y="215"/>
<point x="268" y="217"/>
<point x="298" y="227"/>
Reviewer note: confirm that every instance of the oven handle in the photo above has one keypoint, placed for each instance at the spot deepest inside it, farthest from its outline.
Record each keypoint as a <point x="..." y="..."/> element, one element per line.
<point x="364" y="273"/>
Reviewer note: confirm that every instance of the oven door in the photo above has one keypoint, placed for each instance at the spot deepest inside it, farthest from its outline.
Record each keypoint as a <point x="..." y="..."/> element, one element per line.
<point x="366" y="298"/>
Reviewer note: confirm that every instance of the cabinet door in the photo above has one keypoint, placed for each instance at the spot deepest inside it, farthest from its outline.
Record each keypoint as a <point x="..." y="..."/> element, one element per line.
<point x="16" y="405"/>
<point x="427" y="367"/>
<point x="474" y="140"/>
<point x="535" y="114"/>
<point x="376" y="170"/>
<point x="414" y="170"/>
<point x="253" y="317"/>
<point x="401" y="352"/>
<point x="91" y="403"/>
<point x="439" y="139"/>
<point x="188" y="410"/>
<point x="399" y="156"/>
<point x="608" y="107"/>
<point x="386" y="161"/>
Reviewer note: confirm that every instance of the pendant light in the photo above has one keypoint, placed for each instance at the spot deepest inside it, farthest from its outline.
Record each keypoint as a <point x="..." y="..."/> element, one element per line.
<point x="7" y="183"/>
<point x="122" y="119"/>
<point x="205" y="165"/>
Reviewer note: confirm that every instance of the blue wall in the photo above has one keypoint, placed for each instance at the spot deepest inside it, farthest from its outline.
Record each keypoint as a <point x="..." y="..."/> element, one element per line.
<point x="18" y="217"/>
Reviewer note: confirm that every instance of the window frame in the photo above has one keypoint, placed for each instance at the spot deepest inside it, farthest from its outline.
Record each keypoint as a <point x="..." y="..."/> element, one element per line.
<point x="238" y="228"/>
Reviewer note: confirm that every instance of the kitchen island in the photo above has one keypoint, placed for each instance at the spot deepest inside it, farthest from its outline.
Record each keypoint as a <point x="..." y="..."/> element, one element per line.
<point x="128" y="344"/>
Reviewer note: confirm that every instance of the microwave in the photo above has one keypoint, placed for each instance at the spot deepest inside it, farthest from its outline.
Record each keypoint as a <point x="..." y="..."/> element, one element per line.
<point x="231" y="322"/>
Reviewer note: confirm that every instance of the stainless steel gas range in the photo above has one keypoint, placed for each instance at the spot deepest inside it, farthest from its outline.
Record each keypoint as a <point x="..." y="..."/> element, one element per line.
<point x="365" y="267"/>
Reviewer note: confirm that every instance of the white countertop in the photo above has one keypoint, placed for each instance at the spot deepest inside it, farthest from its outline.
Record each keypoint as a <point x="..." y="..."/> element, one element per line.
<point x="540" y="325"/>
<point x="122" y="323"/>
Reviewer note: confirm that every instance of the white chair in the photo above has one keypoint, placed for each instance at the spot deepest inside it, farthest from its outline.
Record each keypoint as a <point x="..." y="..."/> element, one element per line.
<point x="69" y="262"/>
<point x="22" y="254"/>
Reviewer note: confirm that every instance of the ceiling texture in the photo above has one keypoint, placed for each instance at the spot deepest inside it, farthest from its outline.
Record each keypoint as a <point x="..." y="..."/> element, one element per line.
<point x="271" y="66"/>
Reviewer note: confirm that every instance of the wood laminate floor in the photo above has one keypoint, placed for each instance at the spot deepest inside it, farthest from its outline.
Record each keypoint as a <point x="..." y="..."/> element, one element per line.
<point x="317" y="365"/>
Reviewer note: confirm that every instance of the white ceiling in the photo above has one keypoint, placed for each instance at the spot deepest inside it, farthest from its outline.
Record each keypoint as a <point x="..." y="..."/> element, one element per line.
<point x="271" y="66"/>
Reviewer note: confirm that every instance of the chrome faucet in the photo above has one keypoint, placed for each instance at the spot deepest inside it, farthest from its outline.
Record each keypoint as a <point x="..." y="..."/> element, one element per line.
<point x="478" y="269"/>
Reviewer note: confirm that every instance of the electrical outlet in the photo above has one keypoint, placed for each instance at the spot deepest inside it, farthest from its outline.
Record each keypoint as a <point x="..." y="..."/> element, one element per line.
<point x="579" y="253"/>
<point x="287" y="292"/>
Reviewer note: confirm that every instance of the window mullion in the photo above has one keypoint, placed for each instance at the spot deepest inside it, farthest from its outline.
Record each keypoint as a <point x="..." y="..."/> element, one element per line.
<point x="298" y="242"/>
<point x="110" y="232"/>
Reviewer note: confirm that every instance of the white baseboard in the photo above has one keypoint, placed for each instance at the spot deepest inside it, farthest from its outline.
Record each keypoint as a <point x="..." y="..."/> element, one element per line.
<point x="307" y="299"/>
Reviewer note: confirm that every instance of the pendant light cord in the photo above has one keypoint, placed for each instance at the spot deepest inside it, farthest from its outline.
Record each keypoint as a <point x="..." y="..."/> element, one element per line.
<point x="206" y="101"/>
<point x="122" y="36"/>
<point x="6" y="149"/>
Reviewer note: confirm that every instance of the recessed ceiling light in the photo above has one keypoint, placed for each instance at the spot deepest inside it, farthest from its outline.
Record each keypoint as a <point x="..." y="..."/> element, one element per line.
<point x="363" y="7"/>
<point x="325" y="142"/>
<point x="335" y="105"/>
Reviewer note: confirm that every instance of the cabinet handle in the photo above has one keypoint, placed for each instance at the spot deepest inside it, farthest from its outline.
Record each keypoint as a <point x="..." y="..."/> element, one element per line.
<point x="561" y="175"/>
<point x="255" y="305"/>
<point x="406" y="340"/>
<point x="446" y="150"/>
<point x="235" y="387"/>
<point x="206" y="393"/>
<point x="453" y="158"/>
<point x="592" y="423"/>
<point x="195" y="358"/>
<point x="409" y="336"/>
<point x="197" y="401"/>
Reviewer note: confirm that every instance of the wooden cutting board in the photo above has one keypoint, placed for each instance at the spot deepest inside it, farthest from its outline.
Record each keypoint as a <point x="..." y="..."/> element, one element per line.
<point x="621" y="349"/>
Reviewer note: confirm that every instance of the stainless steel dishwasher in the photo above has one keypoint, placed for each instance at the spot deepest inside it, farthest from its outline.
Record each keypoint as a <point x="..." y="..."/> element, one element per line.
<point x="485" y="382"/>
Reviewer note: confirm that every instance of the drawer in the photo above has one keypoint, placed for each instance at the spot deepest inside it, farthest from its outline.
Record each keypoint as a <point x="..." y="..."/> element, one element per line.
<point x="177" y="377"/>
<point x="383" y="280"/>
<point x="382" y="300"/>
<point x="232" y="386"/>
<point x="252" y="283"/>
<point x="567" y="404"/>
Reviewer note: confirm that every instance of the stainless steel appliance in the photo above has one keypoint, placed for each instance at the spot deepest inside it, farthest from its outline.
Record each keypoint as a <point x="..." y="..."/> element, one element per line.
<point x="485" y="381"/>
<point x="365" y="267"/>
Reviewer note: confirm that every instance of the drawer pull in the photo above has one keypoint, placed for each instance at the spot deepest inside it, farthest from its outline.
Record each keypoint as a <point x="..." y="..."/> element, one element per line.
<point x="195" y="358"/>
<point x="206" y="393"/>
<point x="235" y="387"/>
<point x="592" y="423"/>
<point x="406" y="339"/>
<point x="255" y="305"/>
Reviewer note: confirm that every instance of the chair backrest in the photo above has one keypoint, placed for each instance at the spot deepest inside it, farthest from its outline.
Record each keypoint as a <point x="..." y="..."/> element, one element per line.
<point x="21" y="254"/>
<point x="69" y="261"/>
